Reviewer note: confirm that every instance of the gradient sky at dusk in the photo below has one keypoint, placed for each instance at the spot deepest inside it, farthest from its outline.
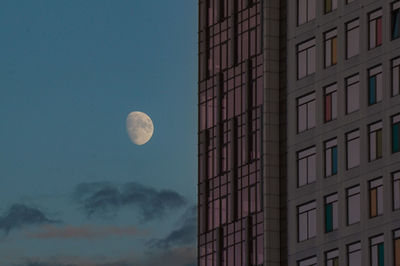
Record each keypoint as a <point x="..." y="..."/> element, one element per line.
<point x="74" y="190"/>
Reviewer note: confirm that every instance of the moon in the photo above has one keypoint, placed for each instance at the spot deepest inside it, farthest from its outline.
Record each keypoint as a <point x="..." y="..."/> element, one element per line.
<point x="140" y="128"/>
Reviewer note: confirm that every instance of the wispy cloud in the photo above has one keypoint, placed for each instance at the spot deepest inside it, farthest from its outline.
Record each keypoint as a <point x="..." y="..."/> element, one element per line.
<point x="20" y="215"/>
<point x="185" y="234"/>
<point x="105" y="199"/>
<point x="85" y="232"/>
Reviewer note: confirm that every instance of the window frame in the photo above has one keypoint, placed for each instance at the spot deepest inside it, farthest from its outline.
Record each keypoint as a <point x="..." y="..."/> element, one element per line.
<point x="306" y="100"/>
<point x="309" y="207"/>
<point x="377" y="72"/>
<point x="376" y="184"/>
<point x="350" y="138"/>
<point x="351" y="81"/>
<point x="332" y="254"/>
<point x="331" y="39"/>
<point x="375" y="129"/>
<point x="357" y="190"/>
<point x="394" y="8"/>
<point x="377" y="17"/>
<point x="331" y="147"/>
<point x="332" y="91"/>
<point x="332" y="199"/>
<point x="307" y="17"/>
<point x="395" y="64"/>
<point x="306" y="46"/>
<point x="357" y="249"/>
<point x="377" y="240"/>
<point x="355" y="21"/>
<point x="307" y="153"/>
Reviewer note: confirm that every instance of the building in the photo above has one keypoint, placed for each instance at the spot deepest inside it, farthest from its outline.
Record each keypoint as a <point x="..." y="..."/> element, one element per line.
<point x="299" y="116"/>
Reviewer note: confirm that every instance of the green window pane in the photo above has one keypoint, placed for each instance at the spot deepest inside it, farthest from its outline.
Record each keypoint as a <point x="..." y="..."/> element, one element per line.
<point x="334" y="161"/>
<point x="328" y="6"/>
<point x="328" y="218"/>
<point x="381" y="261"/>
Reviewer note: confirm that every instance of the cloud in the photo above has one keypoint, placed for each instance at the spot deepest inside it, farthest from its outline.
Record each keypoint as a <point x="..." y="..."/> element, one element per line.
<point x="20" y="215"/>
<point x="105" y="199"/>
<point x="185" y="234"/>
<point x="85" y="232"/>
<point x="182" y="256"/>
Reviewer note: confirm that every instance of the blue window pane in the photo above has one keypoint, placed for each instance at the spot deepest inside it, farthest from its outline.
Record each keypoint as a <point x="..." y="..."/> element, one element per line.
<point x="372" y="90"/>
<point x="381" y="261"/>
<point x="395" y="138"/>
<point x="328" y="218"/>
<point x="334" y="160"/>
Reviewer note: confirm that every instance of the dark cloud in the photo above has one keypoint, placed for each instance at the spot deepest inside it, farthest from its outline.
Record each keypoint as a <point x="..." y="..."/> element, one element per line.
<point x="185" y="234"/>
<point x="85" y="232"/>
<point x="181" y="256"/>
<point x="105" y="199"/>
<point x="19" y="215"/>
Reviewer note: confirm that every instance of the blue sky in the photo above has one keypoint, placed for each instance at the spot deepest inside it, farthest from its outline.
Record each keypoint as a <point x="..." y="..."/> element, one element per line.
<point x="74" y="190"/>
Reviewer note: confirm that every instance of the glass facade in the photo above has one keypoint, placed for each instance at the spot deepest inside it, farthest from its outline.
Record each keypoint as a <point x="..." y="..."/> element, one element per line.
<point x="328" y="170"/>
<point x="230" y="105"/>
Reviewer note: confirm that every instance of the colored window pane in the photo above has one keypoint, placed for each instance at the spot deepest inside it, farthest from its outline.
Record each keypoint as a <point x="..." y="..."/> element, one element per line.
<point x="379" y="32"/>
<point x="334" y="51"/>
<point x="395" y="137"/>
<point x="328" y="107"/>
<point x="381" y="256"/>
<point x="395" y="23"/>
<point x="397" y="252"/>
<point x="372" y="90"/>
<point x="328" y="218"/>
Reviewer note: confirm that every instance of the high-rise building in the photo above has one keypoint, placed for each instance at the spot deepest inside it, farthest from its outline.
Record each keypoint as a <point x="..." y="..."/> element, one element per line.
<point x="299" y="133"/>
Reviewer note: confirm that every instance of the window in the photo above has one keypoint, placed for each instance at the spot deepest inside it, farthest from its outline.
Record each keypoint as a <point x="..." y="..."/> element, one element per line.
<point x="375" y="28"/>
<point x="308" y="262"/>
<point x="395" y="76"/>
<point x="305" y="58"/>
<point x="352" y="93"/>
<point x="375" y="141"/>
<point x="396" y="191"/>
<point x="331" y="157"/>
<point x="307" y="219"/>
<point x="354" y="254"/>
<point x="306" y="112"/>
<point x="375" y="85"/>
<point x="306" y="11"/>
<point x="396" y="247"/>
<point x="332" y="258"/>
<point x="353" y="149"/>
<point x="353" y="205"/>
<point x="330" y="5"/>
<point x="330" y="102"/>
<point x="377" y="251"/>
<point x="375" y="197"/>
<point x="395" y="133"/>
<point x="352" y="38"/>
<point x="395" y="20"/>
<point x="306" y="165"/>
<point x="330" y="48"/>
<point x="331" y="213"/>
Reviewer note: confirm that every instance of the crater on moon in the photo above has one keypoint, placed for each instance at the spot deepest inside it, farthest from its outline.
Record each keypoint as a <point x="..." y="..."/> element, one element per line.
<point x="140" y="128"/>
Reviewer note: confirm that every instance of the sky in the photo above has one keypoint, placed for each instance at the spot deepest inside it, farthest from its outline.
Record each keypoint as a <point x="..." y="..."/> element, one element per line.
<point x="75" y="191"/>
